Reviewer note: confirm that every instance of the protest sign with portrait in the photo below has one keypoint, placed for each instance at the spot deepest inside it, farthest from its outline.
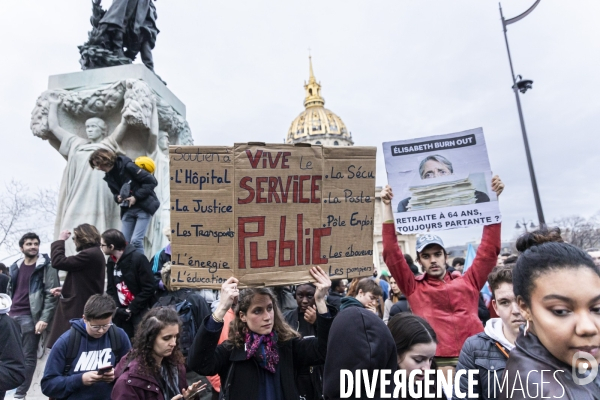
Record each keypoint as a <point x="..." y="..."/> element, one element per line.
<point x="441" y="182"/>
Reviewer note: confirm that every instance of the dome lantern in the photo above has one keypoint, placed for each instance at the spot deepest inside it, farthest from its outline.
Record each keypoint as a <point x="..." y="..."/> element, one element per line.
<point x="316" y="124"/>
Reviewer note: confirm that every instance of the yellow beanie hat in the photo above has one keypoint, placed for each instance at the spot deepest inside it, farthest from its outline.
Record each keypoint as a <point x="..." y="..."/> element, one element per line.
<point x="145" y="163"/>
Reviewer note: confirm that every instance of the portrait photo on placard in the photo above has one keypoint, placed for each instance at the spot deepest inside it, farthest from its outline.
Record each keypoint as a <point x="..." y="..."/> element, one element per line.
<point x="440" y="179"/>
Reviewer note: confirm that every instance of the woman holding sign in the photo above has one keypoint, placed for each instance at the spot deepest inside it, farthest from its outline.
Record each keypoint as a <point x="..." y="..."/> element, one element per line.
<point x="263" y="354"/>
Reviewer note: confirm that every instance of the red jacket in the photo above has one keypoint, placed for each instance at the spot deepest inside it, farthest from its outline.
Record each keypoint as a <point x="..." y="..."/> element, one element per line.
<point x="449" y="305"/>
<point x="133" y="385"/>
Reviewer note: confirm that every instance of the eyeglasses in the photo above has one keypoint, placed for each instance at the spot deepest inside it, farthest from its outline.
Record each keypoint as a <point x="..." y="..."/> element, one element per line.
<point x="103" y="245"/>
<point x="308" y="297"/>
<point x="101" y="327"/>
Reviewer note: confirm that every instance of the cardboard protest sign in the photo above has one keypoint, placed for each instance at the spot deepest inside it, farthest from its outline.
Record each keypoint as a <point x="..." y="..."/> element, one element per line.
<point x="266" y="213"/>
<point x="441" y="182"/>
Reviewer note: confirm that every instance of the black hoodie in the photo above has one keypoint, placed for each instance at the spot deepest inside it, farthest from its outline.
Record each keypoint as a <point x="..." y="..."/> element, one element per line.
<point x="12" y="361"/>
<point x="358" y="339"/>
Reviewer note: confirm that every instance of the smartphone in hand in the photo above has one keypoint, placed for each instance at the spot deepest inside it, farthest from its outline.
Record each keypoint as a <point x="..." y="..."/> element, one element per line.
<point x="104" y="370"/>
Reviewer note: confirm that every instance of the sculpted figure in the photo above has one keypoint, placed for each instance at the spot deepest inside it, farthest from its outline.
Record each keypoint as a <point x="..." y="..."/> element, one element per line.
<point x="131" y="24"/>
<point x="155" y="238"/>
<point x="84" y="197"/>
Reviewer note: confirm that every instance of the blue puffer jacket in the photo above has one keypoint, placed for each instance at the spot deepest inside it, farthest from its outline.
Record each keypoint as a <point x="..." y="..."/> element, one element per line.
<point x="482" y="353"/>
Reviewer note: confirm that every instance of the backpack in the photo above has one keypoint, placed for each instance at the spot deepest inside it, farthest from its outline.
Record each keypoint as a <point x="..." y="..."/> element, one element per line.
<point x="75" y="341"/>
<point x="188" y="323"/>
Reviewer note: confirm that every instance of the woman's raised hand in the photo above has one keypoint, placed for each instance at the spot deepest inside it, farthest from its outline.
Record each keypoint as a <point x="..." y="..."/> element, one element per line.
<point x="322" y="283"/>
<point x="229" y="292"/>
<point x="387" y="195"/>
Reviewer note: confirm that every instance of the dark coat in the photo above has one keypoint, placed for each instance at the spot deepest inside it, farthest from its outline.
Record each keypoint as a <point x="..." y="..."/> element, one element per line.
<point x="529" y="355"/>
<point x="359" y="339"/>
<point x="85" y="277"/>
<point x="142" y="184"/>
<point x="335" y="298"/>
<point x="206" y="358"/>
<point x="135" y="385"/>
<point x="12" y="360"/>
<point x="481" y="352"/>
<point x="137" y="275"/>
<point x="309" y="380"/>
<point x="400" y="306"/>
<point x="4" y="279"/>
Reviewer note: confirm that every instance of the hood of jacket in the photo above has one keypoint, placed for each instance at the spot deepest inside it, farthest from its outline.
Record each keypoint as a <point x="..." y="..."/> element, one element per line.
<point x="357" y="328"/>
<point x="493" y="328"/>
<point x="42" y="260"/>
<point x="129" y="250"/>
<point x="92" y="354"/>
<point x="350" y="301"/>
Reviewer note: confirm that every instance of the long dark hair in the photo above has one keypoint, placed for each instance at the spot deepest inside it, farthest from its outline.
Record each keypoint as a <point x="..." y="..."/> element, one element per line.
<point x="238" y="328"/>
<point x="409" y="330"/>
<point x="147" y="331"/>
<point x="543" y="251"/>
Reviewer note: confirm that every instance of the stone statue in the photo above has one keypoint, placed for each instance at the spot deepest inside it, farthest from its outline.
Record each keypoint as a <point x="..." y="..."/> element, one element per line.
<point x="145" y="126"/>
<point x="84" y="196"/>
<point x="126" y="29"/>
<point x="162" y="218"/>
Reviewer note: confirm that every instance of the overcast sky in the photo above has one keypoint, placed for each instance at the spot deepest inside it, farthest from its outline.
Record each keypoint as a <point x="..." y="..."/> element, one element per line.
<point x="391" y="69"/>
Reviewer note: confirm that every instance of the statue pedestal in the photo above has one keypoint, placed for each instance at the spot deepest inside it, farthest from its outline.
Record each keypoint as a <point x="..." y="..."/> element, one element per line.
<point x="106" y="76"/>
<point x="120" y="96"/>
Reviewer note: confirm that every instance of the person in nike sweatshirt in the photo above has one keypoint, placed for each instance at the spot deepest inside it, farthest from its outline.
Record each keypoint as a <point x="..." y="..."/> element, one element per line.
<point x="489" y="350"/>
<point x="98" y="348"/>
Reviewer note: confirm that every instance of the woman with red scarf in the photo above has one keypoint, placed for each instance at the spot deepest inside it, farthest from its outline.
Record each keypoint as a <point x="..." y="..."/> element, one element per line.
<point x="260" y="359"/>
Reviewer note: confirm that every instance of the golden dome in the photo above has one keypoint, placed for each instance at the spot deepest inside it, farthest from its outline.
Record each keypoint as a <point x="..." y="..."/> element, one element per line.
<point x="317" y="124"/>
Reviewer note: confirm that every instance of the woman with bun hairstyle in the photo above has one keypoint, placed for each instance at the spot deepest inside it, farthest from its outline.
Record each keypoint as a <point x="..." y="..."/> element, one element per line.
<point x="556" y="353"/>
<point x="416" y="343"/>
<point x="263" y="354"/>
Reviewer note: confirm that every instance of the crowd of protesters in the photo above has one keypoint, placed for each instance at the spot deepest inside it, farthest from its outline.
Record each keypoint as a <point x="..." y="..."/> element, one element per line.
<point x="117" y="330"/>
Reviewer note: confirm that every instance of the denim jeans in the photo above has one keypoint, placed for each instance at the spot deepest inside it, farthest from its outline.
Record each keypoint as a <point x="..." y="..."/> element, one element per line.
<point x="134" y="225"/>
<point x="30" y="345"/>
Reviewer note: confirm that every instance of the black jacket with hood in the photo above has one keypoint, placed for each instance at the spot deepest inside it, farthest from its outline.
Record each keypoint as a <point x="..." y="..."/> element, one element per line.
<point x="142" y="184"/>
<point x="136" y="272"/>
<point x="358" y="339"/>
<point x="12" y="360"/>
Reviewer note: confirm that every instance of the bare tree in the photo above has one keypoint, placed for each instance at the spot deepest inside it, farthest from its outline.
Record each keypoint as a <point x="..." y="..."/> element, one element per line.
<point x="21" y="211"/>
<point x="14" y="206"/>
<point x="581" y="232"/>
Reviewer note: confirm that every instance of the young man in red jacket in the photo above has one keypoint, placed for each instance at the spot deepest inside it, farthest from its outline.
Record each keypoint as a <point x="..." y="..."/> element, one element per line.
<point x="449" y="302"/>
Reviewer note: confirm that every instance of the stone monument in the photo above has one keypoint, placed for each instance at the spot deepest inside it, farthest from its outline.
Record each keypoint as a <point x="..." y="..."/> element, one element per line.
<point x="116" y="105"/>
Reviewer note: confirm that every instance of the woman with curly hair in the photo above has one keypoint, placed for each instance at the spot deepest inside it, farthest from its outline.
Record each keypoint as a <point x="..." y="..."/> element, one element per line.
<point x="263" y="354"/>
<point x="154" y="368"/>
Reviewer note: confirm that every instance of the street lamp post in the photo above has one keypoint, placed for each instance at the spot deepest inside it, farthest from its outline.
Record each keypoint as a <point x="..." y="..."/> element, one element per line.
<point x="524" y="223"/>
<point x="523" y="85"/>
